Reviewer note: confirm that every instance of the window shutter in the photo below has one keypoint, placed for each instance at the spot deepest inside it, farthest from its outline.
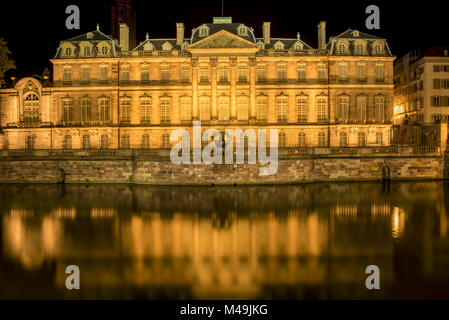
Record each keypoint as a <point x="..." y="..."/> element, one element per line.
<point x="436" y="83"/>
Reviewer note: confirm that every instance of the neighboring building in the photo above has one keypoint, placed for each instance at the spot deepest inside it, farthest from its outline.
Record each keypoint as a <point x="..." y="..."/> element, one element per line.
<point x="421" y="93"/>
<point x="105" y="96"/>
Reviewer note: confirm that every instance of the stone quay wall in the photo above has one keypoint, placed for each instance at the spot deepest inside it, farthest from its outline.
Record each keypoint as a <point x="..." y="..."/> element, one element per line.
<point x="160" y="171"/>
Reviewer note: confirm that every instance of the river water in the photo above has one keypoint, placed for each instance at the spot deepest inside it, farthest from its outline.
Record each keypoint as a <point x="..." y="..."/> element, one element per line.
<point x="311" y="241"/>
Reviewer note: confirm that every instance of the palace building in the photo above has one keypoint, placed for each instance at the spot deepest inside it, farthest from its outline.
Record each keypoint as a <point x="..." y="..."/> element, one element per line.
<point x="106" y="94"/>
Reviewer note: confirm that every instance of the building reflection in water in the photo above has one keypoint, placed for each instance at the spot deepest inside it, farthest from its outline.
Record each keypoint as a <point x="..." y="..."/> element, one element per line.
<point x="310" y="241"/>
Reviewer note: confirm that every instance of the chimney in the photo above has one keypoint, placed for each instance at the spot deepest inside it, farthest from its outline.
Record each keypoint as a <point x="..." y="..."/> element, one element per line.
<point x="322" y="35"/>
<point x="266" y="32"/>
<point x="179" y="33"/>
<point x="124" y="36"/>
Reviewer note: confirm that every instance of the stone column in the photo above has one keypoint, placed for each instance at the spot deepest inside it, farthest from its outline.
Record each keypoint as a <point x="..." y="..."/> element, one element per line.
<point x="233" y="118"/>
<point x="195" y="89"/>
<point x="252" y="90"/>
<point x="213" y="64"/>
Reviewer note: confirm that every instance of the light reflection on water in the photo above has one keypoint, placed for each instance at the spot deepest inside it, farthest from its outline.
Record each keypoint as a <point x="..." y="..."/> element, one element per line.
<point x="297" y="242"/>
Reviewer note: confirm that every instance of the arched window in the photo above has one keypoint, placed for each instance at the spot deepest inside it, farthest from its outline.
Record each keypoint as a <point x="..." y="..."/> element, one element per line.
<point x="67" y="110"/>
<point x="31" y="108"/>
<point x="30" y="142"/>
<point x="342" y="48"/>
<point x="68" y="51"/>
<point x="242" y="31"/>
<point x="104" y="50"/>
<point x="342" y="111"/>
<point x="360" y="48"/>
<point x="145" y="141"/>
<point x="321" y="106"/>
<point x="165" y="141"/>
<point x="204" y="31"/>
<point x="378" y="49"/>
<point x="104" y="142"/>
<point x="322" y="140"/>
<point x="343" y="139"/>
<point x="282" y="140"/>
<point x="67" y="142"/>
<point x="125" y="141"/>
<point x="223" y="108"/>
<point x="86" y="141"/>
<point x="87" y="51"/>
<point x="262" y="108"/>
<point x="281" y="104"/>
<point x="361" y="109"/>
<point x="379" y="109"/>
<point x="302" y="140"/>
<point x="301" y="104"/>
<point x="361" y="139"/>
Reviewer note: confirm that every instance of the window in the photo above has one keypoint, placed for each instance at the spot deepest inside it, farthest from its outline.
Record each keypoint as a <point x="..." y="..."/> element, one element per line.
<point x="343" y="139"/>
<point x="67" y="78"/>
<point x="31" y="109"/>
<point x="223" y="73"/>
<point x="186" y="112"/>
<point x="322" y="140"/>
<point x="185" y="73"/>
<point x="282" y="140"/>
<point x="204" y="73"/>
<point x="243" y="108"/>
<point x="242" y="31"/>
<point x="379" y="72"/>
<point x="165" y="109"/>
<point x="68" y="51"/>
<point x="86" y="110"/>
<point x="104" y="110"/>
<point x="361" y="72"/>
<point x="86" y="141"/>
<point x="342" y="109"/>
<point x="165" y="72"/>
<point x="359" y="49"/>
<point x="379" y="108"/>
<point x="30" y="142"/>
<point x="104" y="142"/>
<point x="378" y="49"/>
<point x="342" y="48"/>
<point x="445" y="84"/>
<point x="145" y="142"/>
<point x="223" y="108"/>
<point x="85" y="74"/>
<point x="145" y="74"/>
<point x="343" y="71"/>
<point x="67" y="110"/>
<point x="302" y="72"/>
<point x="204" y="31"/>
<point x="261" y="72"/>
<point x="279" y="46"/>
<point x="321" y="72"/>
<point x="145" y="110"/>
<point x="103" y="74"/>
<point x="67" y="142"/>
<point x="165" y="141"/>
<point x="301" y="105"/>
<point x="436" y="101"/>
<point x="86" y="51"/>
<point x="282" y="72"/>
<point x="436" y="68"/>
<point x="361" y="109"/>
<point x="436" y="118"/>
<point x="361" y="139"/>
<point x="281" y="103"/>
<point x="262" y="108"/>
<point x="321" y="109"/>
<point x="125" y="111"/>
<point x="125" y="74"/>
<point x="436" y="83"/>
<point x="379" y="138"/>
<point x="125" y="143"/>
<point x="243" y="76"/>
<point x="204" y="108"/>
<point x="104" y="50"/>
<point x="302" y="140"/>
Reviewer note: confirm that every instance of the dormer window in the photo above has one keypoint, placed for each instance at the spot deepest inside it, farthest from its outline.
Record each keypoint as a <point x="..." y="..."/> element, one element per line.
<point x="378" y="49"/>
<point x="204" y="31"/>
<point x="68" y="51"/>
<point x="87" y="51"/>
<point x="90" y="35"/>
<point x="355" y="33"/>
<point x="279" y="46"/>
<point x="242" y="31"/>
<point x="342" y="48"/>
<point x="260" y="44"/>
<point x="148" y="47"/>
<point x="167" y="46"/>
<point x="359" y="48"/>
<point x="104" y="50"/>
<point x="298" y="46"/>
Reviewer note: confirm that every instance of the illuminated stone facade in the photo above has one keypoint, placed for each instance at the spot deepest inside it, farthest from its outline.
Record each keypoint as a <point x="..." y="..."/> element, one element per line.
<point x="106" y="95"/>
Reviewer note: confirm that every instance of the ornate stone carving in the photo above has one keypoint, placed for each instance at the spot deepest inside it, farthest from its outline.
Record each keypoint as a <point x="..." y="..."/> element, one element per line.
<point x="252" y="61"/>
<point x="194" y="62"/>
<point x="224" y="40"/>
<point x="233" y="61"/>
<point x="213" y="61"/>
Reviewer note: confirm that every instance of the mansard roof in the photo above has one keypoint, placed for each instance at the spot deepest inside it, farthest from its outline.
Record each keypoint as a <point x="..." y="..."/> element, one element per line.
<point x="351" y="36"/>
<point x="287" y="42"/>
<point x="157" y="44"/>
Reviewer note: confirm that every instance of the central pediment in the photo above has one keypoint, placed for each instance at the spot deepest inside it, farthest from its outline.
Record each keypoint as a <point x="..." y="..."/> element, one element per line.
<point x="223" y="40"/>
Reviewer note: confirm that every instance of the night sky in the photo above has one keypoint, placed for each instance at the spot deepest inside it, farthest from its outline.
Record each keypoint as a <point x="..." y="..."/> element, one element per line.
<point x="33" y="29"/>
